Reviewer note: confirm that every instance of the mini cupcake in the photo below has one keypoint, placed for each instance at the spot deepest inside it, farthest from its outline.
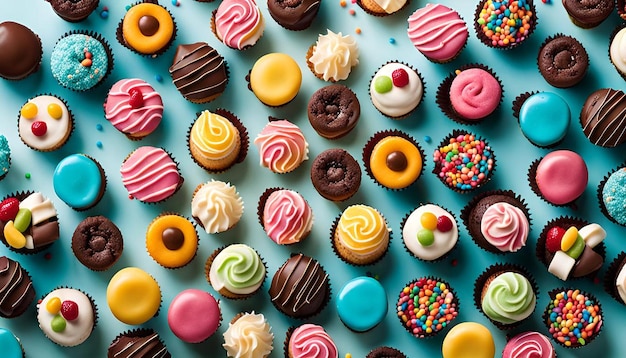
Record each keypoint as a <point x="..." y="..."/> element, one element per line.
<point x="333" y="111"/>
<point x="562" y="61"/>
<point x="358" y="314"/>
<point x="360" y="235"/>
<point x="531" y="109"/>
<point x="309" y="340"/>
<point x="73" y="10"/>
<point x="79" y="181"/>
<point x="335" y="174"/>
<point x="295" y="16"/>
<point x="11" y="345"/>
<point x="588" y="14"/>
<point x="559" y="178"/>
<point x="239" y="24"/>
<point x="147" y="28"/>
<point x="184" y="311"/>
<point x="216" y="206"/>
<point x="332" y="56"/>
<point x="245" y="328"/>
<point x="565" y="332"/>
<point x="393" y="159"/>
<point x="464" y="161"/>
<point x="468" y="339"/>
<point x="415" y="301"/>
<point x="429" y="232"/>
<point x="20" y="51"/>
<point x="396" y="90"/>
<point x="438" y="32"/>
<point x="498" y="221"/>
<point x="470" y="94"/>
<point x="570" y="247"/>
<point x="5" y="157"/>
<point x="144" y="341"/>
<point x="615" y="278"/>
<point x="528" y="344"/>
<point x="385" y="352"/>
<point x="17" y="288"/>
<point x="171" y="240"/>
<point x="285" y="215"/>
<point x="275" y="79"/>
<point x="30" y="222"/>
<point x="81" y="60"/>
<point x="617" y="45"/>
<point x="381" y="8"/>
<point x="506" y="294"/>
<point x="235" y="271"/>
<point x="611" y="195"/>
<point x="150" y="174"/>
<point x="522" y="22"/>
<point x="133" y="296"/>
<point x="601" y="117"/>
<point x="300" y="288"/>
<point x="217" y="140"/>
<point x="45" y="123"/>
<point x="282" y="146"/>
<point x="67" y="316"/>
<point x="97" y="243"/>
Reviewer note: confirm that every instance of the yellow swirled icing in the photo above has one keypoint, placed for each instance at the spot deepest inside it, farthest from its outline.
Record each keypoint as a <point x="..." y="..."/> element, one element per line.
<point x="217" y="205"/>
<point x="334" y="55"/>
<point x="362" y="230"/>
<point x="249" y="336"/>
<point x="214" y="136"/>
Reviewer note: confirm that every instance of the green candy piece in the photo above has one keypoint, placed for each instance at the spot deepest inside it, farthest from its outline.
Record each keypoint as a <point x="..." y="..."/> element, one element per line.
<point x="58" y="323"/>
<point x="577" y="249"/>
<point x="425" y="237"/>
<point x="22" y="219"/>
<point x="383" y="84"/>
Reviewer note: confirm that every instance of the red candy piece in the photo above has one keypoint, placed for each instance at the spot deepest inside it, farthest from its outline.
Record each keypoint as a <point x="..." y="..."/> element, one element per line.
<point x="9" y="208"/>
<point x="444" y="224"/>
<point x="136" y="98"/>
<point x="69" y="310"/>
<point x="39" y="128"/>
<point x="400" y="77"/>
<point x="553" y="239"/>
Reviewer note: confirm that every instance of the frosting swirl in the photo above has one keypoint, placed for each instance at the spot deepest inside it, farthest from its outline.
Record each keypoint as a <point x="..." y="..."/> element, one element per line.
<point x="617" y="51"/>
<point x="620" y="283"/>
<point x="334" y="55"/>
<point x="249" y="336"/>
<point x="282" y="146"/>
<point x="287" y="217"/>
<point x="150" y="174"/>
<point x="475" y="93"/>
<point x="528" y="345"/>
<point x="214" y="136"/>
<point x="362" y="230"/>
<point x="238" y="23"/>
<point x="509" y="298"/>
<point x="136" y="121"/>
<point x="217" y="205"/>
<point x="505" y="226"/>
<point x="437" y="31"/>
<point x="237" y="268"/>
<point x="310" y="340"/>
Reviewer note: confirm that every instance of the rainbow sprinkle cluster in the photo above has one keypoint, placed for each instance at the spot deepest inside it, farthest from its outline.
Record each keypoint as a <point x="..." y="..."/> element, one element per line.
<point x="464" y="163"/>
<point x="506" y="22"/>
<point x="426" y="306"/>
<point x="574" y="318"/>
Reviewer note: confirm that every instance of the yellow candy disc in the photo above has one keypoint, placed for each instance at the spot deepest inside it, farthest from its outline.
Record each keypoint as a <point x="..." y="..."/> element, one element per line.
<point x="55" y="111"/>
<point x="29" y="110"/>
<point x="13" y="236"/>
<point x="429" y="221"/>
<point x="54" y="305"/>
<point x="569" y="238"/>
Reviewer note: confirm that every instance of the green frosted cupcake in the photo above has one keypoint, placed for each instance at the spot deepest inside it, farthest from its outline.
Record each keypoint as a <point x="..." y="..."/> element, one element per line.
<point x="235" y="271"/>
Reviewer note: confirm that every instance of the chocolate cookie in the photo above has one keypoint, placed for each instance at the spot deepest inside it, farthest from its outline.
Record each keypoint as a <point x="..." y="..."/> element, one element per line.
<point x="97" y="243"/>
<point x="20" y="51"/>
<point x="603" y="117"/>
<point x="588" y="14"/>
<point x="293" y="14"/>
<point x="73" y="10"/>
<point x="333" y="111"/>
<point x="335" y="174"/>
<point x="16" y="288"/>
<point x="562" y="61"/>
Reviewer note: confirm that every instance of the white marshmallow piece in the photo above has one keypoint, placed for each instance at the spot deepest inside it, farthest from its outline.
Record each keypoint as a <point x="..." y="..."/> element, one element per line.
<point x="593" y="234"/>
<point x="561" y="265"/>
<point x="42" y="212"/>
<point x="31" y="200"/>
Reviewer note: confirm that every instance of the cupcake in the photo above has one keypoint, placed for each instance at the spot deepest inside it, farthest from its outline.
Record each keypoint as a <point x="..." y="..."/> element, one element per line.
<point x="217" y="140"/>
<point x="245" y="328"/>
<point x="611" y="196"/>
<point x="282" y="146"/>
<point x="309" y="340"/>
<point x="30" y="222"/>
<point x="396" y="89"/>
<point x="429" y="232"/>
<point x="150" y="174"/>
<point x="81" y="60"/>
<point x="296" y="16"/>
<point x="141" y="341"/>
<point x="239" y="24"/>
<point x="565" y="332"/>
<point x="438" y="32"/>
<point x="559" y="178"/>
<point x="133" y="107"/>
<point x="184" y="311"/>
<point x="335" y="174"/>
<point x="360" y="235"/>
<point x="147" y="28"/>
<point x="385" y="352"/>
<point x="617" y="44"/>
<point x="562" y="61"/>
<point x="528" y="344"/>
<point x="588" y="14"/>
<point x="464" y="161"/>
<point x="67" y="316"/>
<point x="285" y="215"/>
<point x="45" y="123"/>
<point x="79" y="181"/>
<point x="199" y="72"/>
<point x="506" y="294"/>
<point x="300" y="288"/>
<point x="468" y="339"/>
<point x="333" y="111"/>
<point x="97" y="243"/>
<point x="522" y="23"/>
<point x="382" y="8"/>
<point x="275" y="79"/>
<point x="20" y="51"/>
<point x="16" y="287"/>
<point x="73" y="10"/>
<point x="235" y="271"/>
<point x="393" y="159"/>
<point x="332" y="56"/>
<point x="470" y="94"/>
<point x="601" y="117"/>
<point x="570" y="247"/>
<point x="133" y="296"/>
<point x="621" y="8"/>
<point x="498" y="221"/>
<point x="216" y="206"/>
<point x="358" y="314"/>
<point x="531" y="110"/>
<point x="615" y="278"/>
<point x="171" y="240"/>
<point x="5" y="157"/>
<point x="415" y="301"/>
<point x="11" y="345"/>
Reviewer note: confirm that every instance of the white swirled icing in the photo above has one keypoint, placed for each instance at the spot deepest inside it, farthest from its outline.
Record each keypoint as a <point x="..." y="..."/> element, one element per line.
<point x="238" y="269"/>
<point x="437" y="31"/>
<point x="76" y="331"/>
<point x="362" y="230"/>
<point x="310" y="340"/>
<point x="217" y="205"/>
<point x="444" y="241"/>
<point x="150" y="174"/>
<point x="249" y="336"/>
<point x="287" y="217"/>
<point x="620" y="283"/>
<point x="529" y="345"/>
<point x="239" y="23"/>
<point x="399" y="100"/>
<point x="505" y="227"/>
<point x="282" y="146"/>
<point x="617" y="50"/>
<point x="334" y="55"/>
<point x="138" y="122"/>
<point x="390" y="6"/>
<point x="58" y="129"/>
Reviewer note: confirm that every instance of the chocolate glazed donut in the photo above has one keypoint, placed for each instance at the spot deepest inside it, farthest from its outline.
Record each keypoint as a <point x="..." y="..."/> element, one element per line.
<point x="562" y="61"/>
<point x="335" y="174"/>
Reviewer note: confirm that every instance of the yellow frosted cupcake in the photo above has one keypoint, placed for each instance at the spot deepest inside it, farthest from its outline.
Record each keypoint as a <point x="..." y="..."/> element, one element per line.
<point x="361" y="235"/>
<point x="171" y="240"/>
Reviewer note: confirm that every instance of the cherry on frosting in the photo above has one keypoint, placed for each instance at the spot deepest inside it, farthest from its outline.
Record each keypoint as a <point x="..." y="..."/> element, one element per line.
<point x="9" y="208"/>
<point x="69" y="310"/>
<point x="136" y="98"/>
<point x="39" y="128"/>
<point x="400" y="77"/>
<point x="444" y="224"/>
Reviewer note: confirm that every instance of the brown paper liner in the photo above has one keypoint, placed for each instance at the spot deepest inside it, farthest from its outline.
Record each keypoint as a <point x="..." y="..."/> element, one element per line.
<point x="611" y="274"/>
<point x="385" y="352"/>
<point x="601" y="197"/>
<point x="344" y="253"/>
<point x="224" y="292"/>
<point x="180" y="183"/>
<point x="406" y="115"/>
<point x="440" y="258"/>
<point x="142" y="332"/>
<point x="165" y="213"/>
<point x="261" y="208"/>
<point x="69" y="131"/>
<point x="546" y="315"/>
<point x="119" y="34"/>
<point x="487" y="41"/>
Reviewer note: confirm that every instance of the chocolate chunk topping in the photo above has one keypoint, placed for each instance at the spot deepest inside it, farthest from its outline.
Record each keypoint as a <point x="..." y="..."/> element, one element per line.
<point x="397" y="161"/>
<point x="148" y="25"/>
<point x="173" y="238"/>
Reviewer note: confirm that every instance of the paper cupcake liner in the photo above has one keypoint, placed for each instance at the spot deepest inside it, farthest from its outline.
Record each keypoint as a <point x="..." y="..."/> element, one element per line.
<point x="488" y="275"/>
<point x="385" y="352"/>
<point x="36" y="69"/>
<point x="600" y="196"/>
<point x="466" y="214"/>
<point x="442" y="97"/>
<point x="214" y="31"/>
<point x="532" y="174"/>
<point x="32" y="287"/>
<point x="487" y="41"/>
<point x="611" y="275"/>
<point x="372" y="8"/>
<point x="261" y="208"/>
<point x="166" y="213"/>
<point x="180" y="183"/>
<point x="141" y="333"/>
<point x="224" y="292"/>
<point x="612" y="36"/>
<point x="408" y="114"/>
<point x="546" y="316"/>
<point x="71" y="122"/>
<point x="377" y="137"/>
<point x="369" y="261"/>
<point x="119" y="35"/>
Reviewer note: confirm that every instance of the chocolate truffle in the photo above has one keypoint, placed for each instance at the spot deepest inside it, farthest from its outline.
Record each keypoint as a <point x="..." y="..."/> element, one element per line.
<point x="142" y="342"/>
<point x="333" y="111"/>
<point x="603" y="117"/>
<point x="73" y="10"/>
<point x="335" y="174"/>
<point x="293" y="14"/>
<point x="20" y="51"/>
<point x="562" y="61"/>
<point x="97" y="243"/>
<point x="16" y="288"/>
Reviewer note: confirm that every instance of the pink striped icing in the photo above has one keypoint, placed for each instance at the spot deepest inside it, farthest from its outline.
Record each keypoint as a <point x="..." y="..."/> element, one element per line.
<point x="282" y="146"/>
<point x="505" y="227"/>
<point x="150" y="174"/>
<point x="287" y="217"/>
<point x="529" y="345"/>
<point x="310" y="340"/>
<point x="238" y="23"/>
<point x="437" y="31"/>
<point x="137" y="122"/>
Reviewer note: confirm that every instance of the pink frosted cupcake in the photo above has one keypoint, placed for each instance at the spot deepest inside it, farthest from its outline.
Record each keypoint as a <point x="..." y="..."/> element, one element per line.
<point x="238" y="23"/>
<point x="529" y="344"/>
<point x="306" y="340"/>
<point x="438" y="32"/>
<point x="285" y="215"/>
<point x="282" y="146"/>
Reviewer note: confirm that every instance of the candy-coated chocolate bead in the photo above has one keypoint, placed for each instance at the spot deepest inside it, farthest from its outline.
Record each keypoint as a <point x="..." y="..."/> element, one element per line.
<point x="86" y="62"/>
<point x="54" y="305"/>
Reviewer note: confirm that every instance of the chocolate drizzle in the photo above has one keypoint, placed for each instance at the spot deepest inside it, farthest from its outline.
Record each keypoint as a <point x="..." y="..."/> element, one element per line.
<point x="603" y="117"/>
<point x="142" y="343"/>
<point x="16" y="288"/>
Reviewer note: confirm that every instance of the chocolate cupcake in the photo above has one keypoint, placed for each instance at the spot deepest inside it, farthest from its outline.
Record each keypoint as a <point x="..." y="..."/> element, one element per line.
<point x="429" y="232"/>
<point x="45" y="122"/>
<point x="562" y="61"/>
<point x="588" y="14"/>
<point x="531" y="109"/>
<point x="611" y="195"/>
<point x="20" y="51"/>
<point x="333" y="111"/>
<point x="141" y="342"/>
<point x="147" y="28"/>
<point x="396" y="89"/>
<point x="615" y="278"/>
<point x="294" y="15"/>
<point x="602" y="117"/>
<point x="16" y="287"/>
<point x="199" y="72"/>
<point x="236" y="271"/>
<point x="285" y="215"/>
<point x="561" y="329"/>
<point x="97" y="243"/>
<point x="335" y="174"/>
<point x="487" y="17"/>
<point x="358" y="314"/>
<point x="172" y="240"/>
<point x="79" y="181"/>
<point x="559" y="178"/>
<point x="385" y="352"/>
<point x="73" y="10"/>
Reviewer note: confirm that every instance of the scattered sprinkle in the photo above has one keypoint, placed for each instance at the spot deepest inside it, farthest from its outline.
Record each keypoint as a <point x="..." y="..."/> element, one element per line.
<point x="427" y="139"/>
<point x="175" y="2"/>
<point x="343" y="3"/>
<point x="130" y="197"/>
<point x="99" y="127"/>
<point x="358" y="30"/>
<point x="351" y="12"/>
<point x="104" y="13"/>
<point x="99" y="144"/>
<point x="348" y="355"/>
<point x="454" y="262"/>
<point x="47" y="256"/>
<point x="392" y="40"/>
<point x="27" y="175"/>
<point x="128" y="7"/>
<point x="158" y="78"/>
